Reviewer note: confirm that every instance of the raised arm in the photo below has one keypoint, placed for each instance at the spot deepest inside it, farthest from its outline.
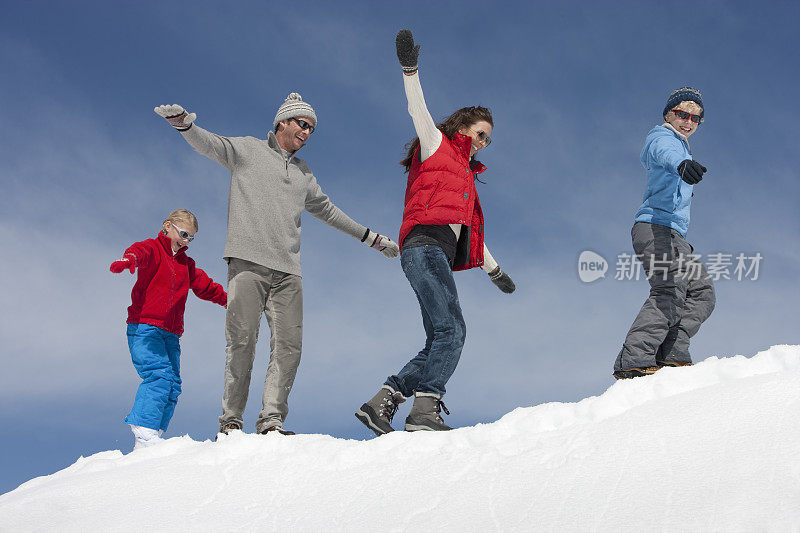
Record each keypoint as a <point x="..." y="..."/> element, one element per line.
<point x="213" y="146"/>
<point x="137" y="255"/>
<point x="429" y="135"/>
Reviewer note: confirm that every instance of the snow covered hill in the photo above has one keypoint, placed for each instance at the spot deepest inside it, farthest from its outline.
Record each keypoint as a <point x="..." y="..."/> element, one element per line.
<point x="714" y="447"/>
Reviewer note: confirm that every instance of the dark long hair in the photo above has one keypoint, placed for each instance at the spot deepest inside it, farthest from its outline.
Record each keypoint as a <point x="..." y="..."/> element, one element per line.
<point x="466" y="116"/>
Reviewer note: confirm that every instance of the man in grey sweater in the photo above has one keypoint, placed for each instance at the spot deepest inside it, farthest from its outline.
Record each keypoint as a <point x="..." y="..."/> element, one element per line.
<point x="270" y="188"/>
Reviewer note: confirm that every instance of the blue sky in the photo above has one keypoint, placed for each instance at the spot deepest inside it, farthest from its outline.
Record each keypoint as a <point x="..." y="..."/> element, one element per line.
<point x="88" y="168"/>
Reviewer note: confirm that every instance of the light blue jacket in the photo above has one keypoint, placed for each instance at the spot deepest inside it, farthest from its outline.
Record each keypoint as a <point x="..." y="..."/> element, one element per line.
<point x="667" y="198"/>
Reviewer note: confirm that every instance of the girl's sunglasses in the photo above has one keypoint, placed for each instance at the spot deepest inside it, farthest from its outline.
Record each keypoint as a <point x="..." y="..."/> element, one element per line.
<point x="304" y="125"/>
<point x="697" y="119"/>
<point x="184" y="234"/>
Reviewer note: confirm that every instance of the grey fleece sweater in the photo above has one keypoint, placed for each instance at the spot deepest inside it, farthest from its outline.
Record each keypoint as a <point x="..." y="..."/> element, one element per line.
<point x="269" y="190"/>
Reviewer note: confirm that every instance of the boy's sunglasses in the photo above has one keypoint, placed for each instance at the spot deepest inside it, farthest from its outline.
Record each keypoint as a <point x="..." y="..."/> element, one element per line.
<point x="697" y="119"/>
<point x="304" y="125"/>
<point x="183" y="234"/>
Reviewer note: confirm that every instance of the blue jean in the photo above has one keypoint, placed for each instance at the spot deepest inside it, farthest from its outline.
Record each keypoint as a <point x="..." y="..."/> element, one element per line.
<point x="156" y="356"/>
<point x="429" y="273"/>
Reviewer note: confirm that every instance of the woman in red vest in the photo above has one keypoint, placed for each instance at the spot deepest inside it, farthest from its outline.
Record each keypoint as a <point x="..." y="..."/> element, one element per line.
<point x="442" y="231"/>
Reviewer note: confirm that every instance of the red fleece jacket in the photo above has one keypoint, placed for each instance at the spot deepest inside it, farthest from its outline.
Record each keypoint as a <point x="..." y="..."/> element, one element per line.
<point x="159" y="295"/>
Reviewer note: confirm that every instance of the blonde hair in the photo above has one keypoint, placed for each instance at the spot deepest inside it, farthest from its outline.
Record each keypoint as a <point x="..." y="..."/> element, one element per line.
<point x="689" y="106"/>
<point x="182" y="215"/>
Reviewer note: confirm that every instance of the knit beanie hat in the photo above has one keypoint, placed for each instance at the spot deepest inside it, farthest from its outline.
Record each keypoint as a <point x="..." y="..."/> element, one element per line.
<point x="684" y="94"/>
<point x="294" y="106"/>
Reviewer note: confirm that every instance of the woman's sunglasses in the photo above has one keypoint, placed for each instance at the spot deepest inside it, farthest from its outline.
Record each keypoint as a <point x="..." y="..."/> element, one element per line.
<point x="483" y="138"/>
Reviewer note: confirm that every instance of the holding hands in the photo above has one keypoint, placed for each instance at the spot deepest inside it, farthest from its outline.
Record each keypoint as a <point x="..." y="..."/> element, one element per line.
<point x="384" y="245"/>
<point x="177" y="116"/>
<point x="407" y="53"/>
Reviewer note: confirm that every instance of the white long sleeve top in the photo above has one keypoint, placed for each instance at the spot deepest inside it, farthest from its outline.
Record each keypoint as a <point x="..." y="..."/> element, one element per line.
<point x="429" y="140"/>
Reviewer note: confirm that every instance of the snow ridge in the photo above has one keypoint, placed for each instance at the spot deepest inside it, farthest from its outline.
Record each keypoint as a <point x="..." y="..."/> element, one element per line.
<point x="709" y="447"/>
<point x="627" y="394"/>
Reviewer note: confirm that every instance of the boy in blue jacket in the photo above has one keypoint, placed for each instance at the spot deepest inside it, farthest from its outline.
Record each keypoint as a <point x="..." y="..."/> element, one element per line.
<point x="681" y="292"/>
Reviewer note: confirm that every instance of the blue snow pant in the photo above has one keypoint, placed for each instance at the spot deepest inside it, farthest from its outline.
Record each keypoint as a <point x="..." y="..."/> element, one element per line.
<point x="156" y="356"/>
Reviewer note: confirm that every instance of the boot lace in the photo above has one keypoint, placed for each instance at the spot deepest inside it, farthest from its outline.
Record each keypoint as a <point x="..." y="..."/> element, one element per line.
<point x="389" y="408"/>
<point x="440" y="406"/>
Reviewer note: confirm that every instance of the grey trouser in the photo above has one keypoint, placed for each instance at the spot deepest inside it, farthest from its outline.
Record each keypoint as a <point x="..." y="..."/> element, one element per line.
<point x="681" y="299"/>
<point x="254" y="289"/>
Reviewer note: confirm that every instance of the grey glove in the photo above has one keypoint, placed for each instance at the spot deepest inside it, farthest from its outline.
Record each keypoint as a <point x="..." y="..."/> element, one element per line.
<point x="177" y="116"/>
<point x="384" y="245"/>
<point x="502" y="280"/>
<point x="407" y="53"/>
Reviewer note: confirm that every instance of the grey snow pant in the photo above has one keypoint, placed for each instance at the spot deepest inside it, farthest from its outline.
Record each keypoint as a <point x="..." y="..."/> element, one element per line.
<point x="254" y="289"/>
<point x="681" y="299"/>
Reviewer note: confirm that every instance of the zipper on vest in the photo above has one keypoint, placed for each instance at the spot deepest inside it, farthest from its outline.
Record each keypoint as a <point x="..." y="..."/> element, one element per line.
<point x="430" y="199"/>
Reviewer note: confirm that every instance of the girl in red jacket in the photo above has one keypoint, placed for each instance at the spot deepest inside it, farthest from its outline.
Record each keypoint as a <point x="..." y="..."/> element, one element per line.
<point x="155" y="320"/>
<point x="442" y="231"/>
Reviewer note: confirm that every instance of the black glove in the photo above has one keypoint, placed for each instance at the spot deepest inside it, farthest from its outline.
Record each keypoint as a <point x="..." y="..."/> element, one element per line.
<point x="407" y="53"/>
<point x="502" y="280"/>
<point x="691" y="171"/>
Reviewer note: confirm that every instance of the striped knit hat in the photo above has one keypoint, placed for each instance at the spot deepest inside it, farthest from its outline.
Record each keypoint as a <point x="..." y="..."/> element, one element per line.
<point x="294" y="106"/>
<point x="684" y="94"/>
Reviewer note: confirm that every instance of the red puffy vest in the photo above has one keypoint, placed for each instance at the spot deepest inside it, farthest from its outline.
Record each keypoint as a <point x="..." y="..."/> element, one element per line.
<point x="441" y="190"/>
<point x="163" y="282"/>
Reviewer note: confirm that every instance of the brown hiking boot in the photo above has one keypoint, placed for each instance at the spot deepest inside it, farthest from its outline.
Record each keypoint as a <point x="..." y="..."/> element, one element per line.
<point x="636" y="372"/>
<point x="230" y="426"/>
<point x="227" y="428"/>
<point x="674" y="363"/>
<point x="279" y="429"/>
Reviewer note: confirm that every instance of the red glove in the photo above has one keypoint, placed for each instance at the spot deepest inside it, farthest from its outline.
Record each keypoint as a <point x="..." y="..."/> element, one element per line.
<point x="128" y="261"/>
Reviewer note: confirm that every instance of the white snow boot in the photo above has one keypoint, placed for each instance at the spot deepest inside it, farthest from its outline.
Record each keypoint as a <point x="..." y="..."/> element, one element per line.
<point x="144" y="437"/>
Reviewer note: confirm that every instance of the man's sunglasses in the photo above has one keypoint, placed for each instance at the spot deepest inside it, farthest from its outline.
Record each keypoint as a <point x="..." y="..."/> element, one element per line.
<point x="304" y="125"/>
<point x="184" y="234"/>
<point x="697" y="119"/>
